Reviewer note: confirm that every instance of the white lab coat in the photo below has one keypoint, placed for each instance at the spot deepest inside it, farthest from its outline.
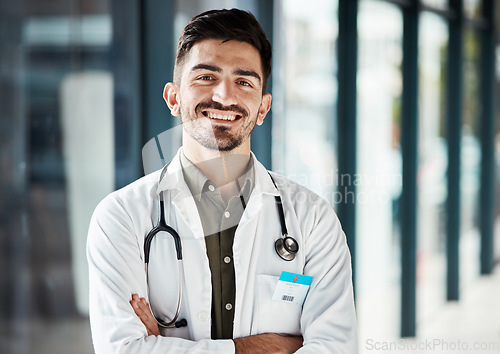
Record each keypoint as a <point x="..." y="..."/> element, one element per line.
<point x="116" y="262"/>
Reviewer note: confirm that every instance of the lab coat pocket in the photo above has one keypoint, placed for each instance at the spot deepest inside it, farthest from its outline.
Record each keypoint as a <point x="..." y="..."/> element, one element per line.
<point x="275" y="316"/>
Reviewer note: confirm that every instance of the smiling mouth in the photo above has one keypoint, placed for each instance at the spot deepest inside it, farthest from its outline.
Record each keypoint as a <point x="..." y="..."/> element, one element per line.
<point x="227" y="116"/>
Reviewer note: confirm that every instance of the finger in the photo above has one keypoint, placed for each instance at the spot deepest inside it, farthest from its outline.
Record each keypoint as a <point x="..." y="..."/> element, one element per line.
<point x="143" y="311"/>
<point x="147" y="316"/>
<point x="151" y="325"/>
<point x="144" y="306"/>
<point x="135" y="301"/>
<point x="147" y="320"/>
<point x="140" y="310"/>
<point x="134" y="304"/>
<point x="143" y="303"/>
<point x="139" y="303"/>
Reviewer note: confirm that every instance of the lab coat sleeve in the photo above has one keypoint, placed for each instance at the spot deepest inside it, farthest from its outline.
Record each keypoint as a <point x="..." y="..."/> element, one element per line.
<point x="116" y="272"/>
<point x="328" y="318"/>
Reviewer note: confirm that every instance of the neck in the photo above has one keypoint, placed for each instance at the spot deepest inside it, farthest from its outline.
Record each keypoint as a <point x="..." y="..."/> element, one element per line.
<point x="221" y="167"/>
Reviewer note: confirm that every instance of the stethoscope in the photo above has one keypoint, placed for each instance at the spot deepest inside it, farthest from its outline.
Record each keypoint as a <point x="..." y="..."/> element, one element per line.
<point x="286" y="247"/>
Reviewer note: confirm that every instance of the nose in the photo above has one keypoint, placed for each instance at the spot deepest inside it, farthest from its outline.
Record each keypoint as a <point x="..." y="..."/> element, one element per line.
<point x="224" y="93"/>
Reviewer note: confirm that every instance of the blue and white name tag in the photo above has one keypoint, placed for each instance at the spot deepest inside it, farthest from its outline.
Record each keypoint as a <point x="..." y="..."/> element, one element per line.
<point x="292" y="288"/>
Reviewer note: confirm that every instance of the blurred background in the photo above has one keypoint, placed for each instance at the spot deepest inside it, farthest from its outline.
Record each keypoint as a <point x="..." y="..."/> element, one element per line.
<point x="387" y="109"/>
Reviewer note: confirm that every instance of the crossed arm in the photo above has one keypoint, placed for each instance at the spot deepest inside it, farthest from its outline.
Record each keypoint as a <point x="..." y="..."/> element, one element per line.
<point x="261" y="343"/>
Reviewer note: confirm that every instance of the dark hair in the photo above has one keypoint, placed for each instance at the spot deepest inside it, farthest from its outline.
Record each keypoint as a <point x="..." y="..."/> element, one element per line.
<point x="226" y="25"/>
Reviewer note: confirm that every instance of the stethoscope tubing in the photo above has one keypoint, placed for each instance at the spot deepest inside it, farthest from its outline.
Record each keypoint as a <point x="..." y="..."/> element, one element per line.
<point x="161" y="225"/>
<point x="171" y="324"/>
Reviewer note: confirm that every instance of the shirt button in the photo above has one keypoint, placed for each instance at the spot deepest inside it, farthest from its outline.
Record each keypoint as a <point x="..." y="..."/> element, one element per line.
<point x="227" y="259"/>
<point x="211" y="188"/>
<point x="203" y="316"/>
<point x="227" y="214"/>
<point x="229" y="307"/>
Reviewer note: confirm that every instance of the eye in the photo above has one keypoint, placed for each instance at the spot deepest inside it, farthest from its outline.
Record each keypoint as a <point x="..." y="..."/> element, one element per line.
<point x="244" y="83"/>
<point x="205" y="78"/>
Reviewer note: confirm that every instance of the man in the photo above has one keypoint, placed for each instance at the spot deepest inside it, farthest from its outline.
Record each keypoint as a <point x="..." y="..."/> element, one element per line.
<point x="225" y="207"/>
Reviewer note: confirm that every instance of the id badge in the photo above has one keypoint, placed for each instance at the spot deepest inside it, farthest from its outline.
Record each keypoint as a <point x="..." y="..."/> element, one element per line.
<point x="292" y="288"/>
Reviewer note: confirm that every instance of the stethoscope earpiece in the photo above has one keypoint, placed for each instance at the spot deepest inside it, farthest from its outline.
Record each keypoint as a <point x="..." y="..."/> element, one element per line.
<point x="286" y="247"/>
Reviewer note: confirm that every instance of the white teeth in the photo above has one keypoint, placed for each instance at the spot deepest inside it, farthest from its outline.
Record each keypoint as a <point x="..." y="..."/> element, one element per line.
<point x="218" y="116"/>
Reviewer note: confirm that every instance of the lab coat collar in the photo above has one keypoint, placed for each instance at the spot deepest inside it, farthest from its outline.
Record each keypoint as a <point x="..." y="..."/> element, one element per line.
<point x="173" y="178"/>
<point x="263" y="182"/>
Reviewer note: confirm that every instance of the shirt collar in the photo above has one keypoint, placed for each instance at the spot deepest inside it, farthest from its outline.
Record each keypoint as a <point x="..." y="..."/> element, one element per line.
<point x="194" y="178"/>
<point x="199" y="183"/>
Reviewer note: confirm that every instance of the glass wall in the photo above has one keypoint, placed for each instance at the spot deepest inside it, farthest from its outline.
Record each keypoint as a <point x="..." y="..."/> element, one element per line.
<point x="496" y="243"/>
<point x="472" y="8"/>
<point x="305" y="91"/>
<point x="432" y="166"/>
<point x="57" y="162"/>
<point x="378" y="181"/>
<point x="470" y="161"/>
<point x="438" y="4"/>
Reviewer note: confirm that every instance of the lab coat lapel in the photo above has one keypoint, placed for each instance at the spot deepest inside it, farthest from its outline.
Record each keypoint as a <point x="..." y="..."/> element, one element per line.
<point x="180" y="196"/>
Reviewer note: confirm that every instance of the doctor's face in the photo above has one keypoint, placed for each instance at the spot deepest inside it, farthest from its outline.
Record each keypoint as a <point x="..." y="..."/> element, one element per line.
<point x="220" y="95"/>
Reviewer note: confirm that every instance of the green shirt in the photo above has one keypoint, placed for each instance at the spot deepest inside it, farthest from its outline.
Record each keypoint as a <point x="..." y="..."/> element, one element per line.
<point x="219" y="223"/>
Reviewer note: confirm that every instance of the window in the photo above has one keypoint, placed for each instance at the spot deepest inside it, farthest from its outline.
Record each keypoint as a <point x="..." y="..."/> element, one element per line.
<point x="470" y="160"/>
<point x="472" y="8"/>
<point x="438" y="4"/>
<point x="305" y="95"/>
<point x="379" y="168"/>
<point x="432" y="166"/>
<point x="58" y="161"/>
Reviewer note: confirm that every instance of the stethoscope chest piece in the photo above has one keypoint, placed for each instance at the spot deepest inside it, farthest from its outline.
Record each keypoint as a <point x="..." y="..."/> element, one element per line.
<point x="286" y="247"/>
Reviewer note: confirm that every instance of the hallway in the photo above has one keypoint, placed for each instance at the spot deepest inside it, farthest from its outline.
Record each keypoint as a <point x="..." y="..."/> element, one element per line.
<point x="455" y="329"/>
<point x="469" y="326"/>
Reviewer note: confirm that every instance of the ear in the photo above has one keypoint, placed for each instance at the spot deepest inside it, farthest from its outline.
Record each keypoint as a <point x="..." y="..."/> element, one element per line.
<point x="265" y="106"/>
<point x="171" y="97"/>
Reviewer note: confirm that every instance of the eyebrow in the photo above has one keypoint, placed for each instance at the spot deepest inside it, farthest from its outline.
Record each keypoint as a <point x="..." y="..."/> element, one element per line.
<point x="251" y="73"/>
<point x="206" y="67"/>
<point x="241" y="72"/>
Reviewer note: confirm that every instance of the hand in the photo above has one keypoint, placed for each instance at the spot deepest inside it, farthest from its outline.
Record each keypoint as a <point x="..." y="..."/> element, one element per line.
<point x="142" y="310"/>
<point x="268" y="343"/>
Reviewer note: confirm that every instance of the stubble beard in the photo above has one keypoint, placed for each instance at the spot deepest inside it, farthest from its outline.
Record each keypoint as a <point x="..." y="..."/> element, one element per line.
<point x="215" y="136"/>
